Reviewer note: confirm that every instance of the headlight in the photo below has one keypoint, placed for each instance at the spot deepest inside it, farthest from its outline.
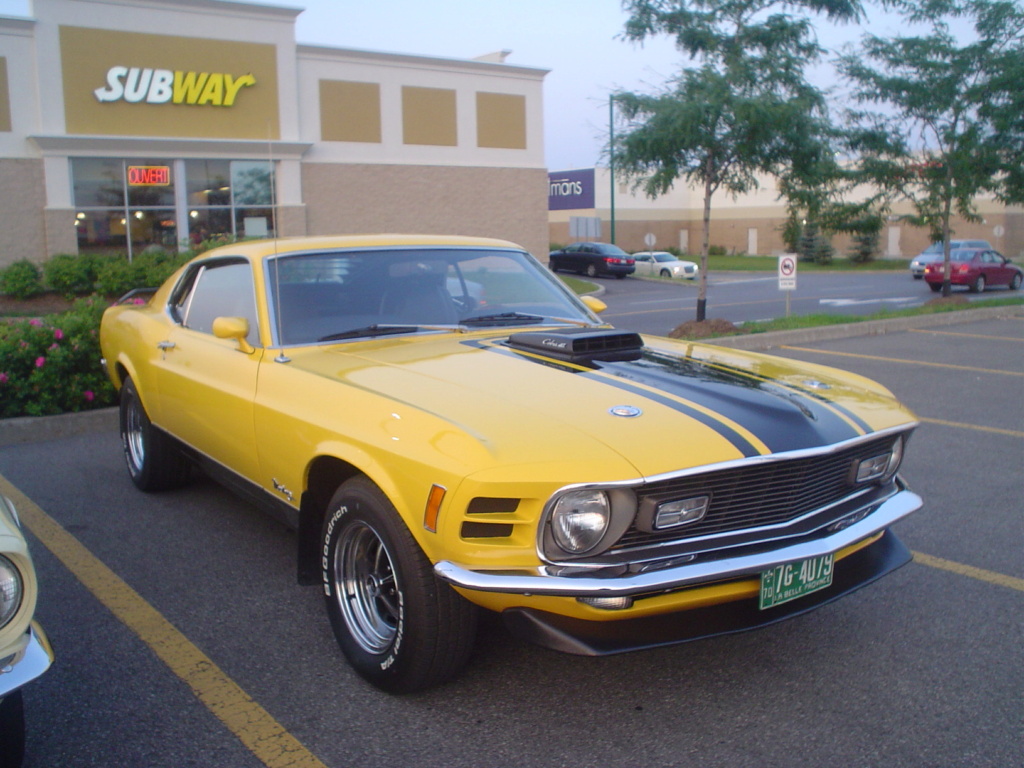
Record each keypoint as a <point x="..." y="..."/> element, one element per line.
<point x="579" y="520"/>
<point x="11" y="590"/>
<point x="881" y="467"/>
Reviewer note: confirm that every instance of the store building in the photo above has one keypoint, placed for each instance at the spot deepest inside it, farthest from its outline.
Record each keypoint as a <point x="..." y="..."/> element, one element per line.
<point x="583" y="204"/>
<point x="131" y="123"/>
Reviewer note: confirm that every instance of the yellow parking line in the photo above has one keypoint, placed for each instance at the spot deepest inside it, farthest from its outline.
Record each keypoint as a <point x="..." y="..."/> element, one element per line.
<point x="975" y="427"/>
<point x="970" y="571"/>
<point x="900" y="360"/>
<point x="966" y="335"/>
<point x="253" y="725"/>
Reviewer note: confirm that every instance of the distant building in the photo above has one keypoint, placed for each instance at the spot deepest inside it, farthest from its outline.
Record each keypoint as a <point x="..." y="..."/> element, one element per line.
<point x="131" y="123"/>
<point x="750" y="224"/>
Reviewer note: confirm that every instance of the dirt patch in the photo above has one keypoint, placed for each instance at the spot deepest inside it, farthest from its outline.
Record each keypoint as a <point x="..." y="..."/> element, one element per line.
<point x="37" y="306"/>
<point x="954" y="299"/>
<point x="704" y="329"/>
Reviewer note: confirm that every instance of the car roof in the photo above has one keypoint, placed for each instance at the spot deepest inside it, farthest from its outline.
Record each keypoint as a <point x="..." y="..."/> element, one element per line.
<point x="262" y="249"/>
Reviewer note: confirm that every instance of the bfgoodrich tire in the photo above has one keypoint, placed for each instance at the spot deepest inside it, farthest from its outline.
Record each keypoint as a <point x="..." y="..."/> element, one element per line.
<point x="399" y="627"/>
<point x="154" y="462"/>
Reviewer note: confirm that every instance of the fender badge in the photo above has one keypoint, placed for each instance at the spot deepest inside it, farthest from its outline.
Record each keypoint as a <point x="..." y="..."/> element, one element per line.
<point x="625" y="411"/>
<point x="813" y="384"/>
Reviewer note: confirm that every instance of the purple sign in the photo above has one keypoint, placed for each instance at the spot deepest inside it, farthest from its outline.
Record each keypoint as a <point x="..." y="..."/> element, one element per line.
<point x="571" y="190"/>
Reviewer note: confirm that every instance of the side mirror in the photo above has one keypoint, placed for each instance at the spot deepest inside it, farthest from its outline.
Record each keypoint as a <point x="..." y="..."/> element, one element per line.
<point x="236" y="328"/>
<point x="594" y="304"/>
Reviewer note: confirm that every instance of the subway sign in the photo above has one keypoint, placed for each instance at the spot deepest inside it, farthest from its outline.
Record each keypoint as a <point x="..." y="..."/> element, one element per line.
<point x="571" y="190"/>
<point x="163" y="86"/>
<point x="149" y="175"/>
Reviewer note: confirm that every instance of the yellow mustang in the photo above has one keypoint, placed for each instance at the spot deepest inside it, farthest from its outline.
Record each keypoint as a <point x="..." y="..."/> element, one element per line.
<point x="447" y="426"/>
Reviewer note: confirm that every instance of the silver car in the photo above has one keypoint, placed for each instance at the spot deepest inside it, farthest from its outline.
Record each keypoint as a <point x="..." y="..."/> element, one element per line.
<point x="24" y="650"/>
<point x="664" y="264"/>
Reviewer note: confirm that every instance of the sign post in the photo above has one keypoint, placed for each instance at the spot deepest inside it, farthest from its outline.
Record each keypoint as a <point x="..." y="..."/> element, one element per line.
<point x="787" y="276"/>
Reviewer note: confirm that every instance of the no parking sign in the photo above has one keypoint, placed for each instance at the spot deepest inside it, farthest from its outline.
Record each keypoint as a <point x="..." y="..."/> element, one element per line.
<point x="787" y="272"/>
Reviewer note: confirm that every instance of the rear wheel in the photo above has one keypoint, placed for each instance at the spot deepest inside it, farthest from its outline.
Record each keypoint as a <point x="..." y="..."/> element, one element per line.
<point x="398" y="626"/>
<point x="979" y="284"/>
<point x="936" y="287"/>
<point x="154" y="462"/>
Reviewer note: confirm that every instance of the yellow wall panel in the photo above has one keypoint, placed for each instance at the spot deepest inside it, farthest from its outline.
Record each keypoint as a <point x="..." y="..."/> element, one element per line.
<point x="428" y="116"/>
<point x="350" y="111"/>
<point x="500" y="121"/>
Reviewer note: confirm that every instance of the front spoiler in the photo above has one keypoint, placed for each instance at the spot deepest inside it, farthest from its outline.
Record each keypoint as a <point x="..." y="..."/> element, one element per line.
<point x="601" y="638"/>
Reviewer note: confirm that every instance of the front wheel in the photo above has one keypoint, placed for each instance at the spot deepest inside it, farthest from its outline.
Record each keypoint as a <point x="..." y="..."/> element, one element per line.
<point x="1015" y="282"/>
<point x="979" y="284"/>
<point x="591" y="270"/>
<point x="666" y="273"/>
<point x="154" y="462"/>
<point x="12" y="730"/>
<point x="398" y="626"/>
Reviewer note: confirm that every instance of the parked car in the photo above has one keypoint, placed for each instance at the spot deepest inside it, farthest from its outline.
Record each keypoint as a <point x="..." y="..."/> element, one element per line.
<point x="601" y="490"/>
<point x="664" y="264"/>
<point x="592" y="260"/>
<point x="934" y="252"/>
<point x="978" y="269"/>
<point x="25" y="652"/>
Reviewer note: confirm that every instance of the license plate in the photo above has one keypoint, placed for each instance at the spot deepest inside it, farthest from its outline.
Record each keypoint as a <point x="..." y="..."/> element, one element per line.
<point x="792" y="580"/>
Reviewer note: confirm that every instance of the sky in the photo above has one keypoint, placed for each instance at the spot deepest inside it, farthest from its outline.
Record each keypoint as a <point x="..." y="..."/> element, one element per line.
<point x="579" y="41"/>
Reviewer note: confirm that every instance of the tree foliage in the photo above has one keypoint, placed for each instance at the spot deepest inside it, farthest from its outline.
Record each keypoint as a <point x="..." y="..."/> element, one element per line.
<point x="744" y="107"/>
<point x="940" y="119"/>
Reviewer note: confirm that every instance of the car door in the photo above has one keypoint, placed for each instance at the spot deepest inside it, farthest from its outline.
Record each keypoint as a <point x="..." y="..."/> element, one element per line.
<point x="999" y="270"/>
<point x="644" y="263"/>
<point x="207" y="384"/>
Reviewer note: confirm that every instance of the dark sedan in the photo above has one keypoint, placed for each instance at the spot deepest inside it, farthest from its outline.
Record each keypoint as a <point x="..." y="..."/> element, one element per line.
<point x="978" y="269"/>
<point x="592" y="259"/>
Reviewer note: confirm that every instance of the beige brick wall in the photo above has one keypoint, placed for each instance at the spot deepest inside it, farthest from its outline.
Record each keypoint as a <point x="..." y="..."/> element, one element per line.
<point x="21" y="211"/>
<point x="508" y="203"/>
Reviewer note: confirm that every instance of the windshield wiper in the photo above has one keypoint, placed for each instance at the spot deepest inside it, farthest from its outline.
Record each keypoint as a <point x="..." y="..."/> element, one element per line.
<point x="377" y="329"/>
<point x="503" y="318"/>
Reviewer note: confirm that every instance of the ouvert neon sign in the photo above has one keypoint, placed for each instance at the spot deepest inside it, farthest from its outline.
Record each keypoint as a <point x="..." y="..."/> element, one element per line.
<point x="162" y="86"/>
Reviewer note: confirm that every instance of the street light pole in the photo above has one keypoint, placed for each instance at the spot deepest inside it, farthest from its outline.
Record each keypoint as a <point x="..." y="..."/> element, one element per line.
<point x="611" y="160"/>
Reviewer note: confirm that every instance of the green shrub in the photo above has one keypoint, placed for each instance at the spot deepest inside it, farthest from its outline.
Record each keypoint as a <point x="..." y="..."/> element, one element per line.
<point x="117" y="276"/>
<point x="70" y="275"/>
<point x="22" y="280"/>
<point x="717" y="250"/>
<point x="52" y="366"/>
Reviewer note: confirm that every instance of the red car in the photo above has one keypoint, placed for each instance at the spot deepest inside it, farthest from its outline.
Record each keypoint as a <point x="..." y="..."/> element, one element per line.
<point x="977" y="268"/>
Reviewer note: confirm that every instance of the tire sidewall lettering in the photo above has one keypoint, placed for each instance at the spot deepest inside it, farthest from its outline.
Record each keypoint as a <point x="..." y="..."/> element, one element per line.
<point x="325" y="553"/>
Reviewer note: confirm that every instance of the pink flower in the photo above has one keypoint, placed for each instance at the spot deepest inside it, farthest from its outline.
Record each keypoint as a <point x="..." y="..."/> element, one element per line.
<point x="3" y="378"/>
<point x="54" y="346"/>
<point x="88" y="395"/>
<point x="58" y="334"/>
<point x="36" y="322"/>
<point x="40" y="362"/>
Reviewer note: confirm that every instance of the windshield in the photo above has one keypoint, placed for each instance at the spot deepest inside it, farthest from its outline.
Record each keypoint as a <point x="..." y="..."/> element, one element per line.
<point x="357" y="294"/>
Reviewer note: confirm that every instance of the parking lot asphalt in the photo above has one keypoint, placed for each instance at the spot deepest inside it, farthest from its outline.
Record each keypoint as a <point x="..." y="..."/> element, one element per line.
<point x="213" y="657"/>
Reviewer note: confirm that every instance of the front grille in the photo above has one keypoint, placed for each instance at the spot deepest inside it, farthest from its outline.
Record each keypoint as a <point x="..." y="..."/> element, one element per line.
<point x="761" y="494"/>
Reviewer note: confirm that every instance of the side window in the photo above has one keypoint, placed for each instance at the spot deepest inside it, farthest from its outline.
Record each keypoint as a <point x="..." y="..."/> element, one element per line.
<point x="216" y="289"/>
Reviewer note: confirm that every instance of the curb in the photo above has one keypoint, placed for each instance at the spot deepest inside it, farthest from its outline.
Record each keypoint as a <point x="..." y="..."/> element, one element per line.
<point x="36" y="429"/>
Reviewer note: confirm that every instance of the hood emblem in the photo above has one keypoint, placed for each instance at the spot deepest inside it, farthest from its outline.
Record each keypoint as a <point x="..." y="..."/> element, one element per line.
<point x="625" y="411"/>
<point x="815" y="384"/>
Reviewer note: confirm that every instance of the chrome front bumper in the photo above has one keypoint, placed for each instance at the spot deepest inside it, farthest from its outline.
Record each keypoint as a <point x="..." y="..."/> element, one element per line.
<point x="613" y="582"/>
<point x="27" y="663"/>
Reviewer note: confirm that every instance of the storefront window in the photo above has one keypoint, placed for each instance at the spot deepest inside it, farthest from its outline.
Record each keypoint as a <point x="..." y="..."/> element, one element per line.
<point x="129" y="205"/>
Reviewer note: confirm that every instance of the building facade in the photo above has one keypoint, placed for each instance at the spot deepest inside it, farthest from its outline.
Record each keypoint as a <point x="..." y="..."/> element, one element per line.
<point x="750" y="223"/>
<point x="126" y="124"/>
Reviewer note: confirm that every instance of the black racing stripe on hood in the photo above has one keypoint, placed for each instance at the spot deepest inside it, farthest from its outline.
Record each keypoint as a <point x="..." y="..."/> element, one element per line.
<point x="783" y="419"/>
<point x="856" y="419"/>
<point x="737" y="440"/>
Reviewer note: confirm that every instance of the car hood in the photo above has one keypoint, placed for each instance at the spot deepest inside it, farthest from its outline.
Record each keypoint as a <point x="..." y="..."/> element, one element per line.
<point x="679" y="404"/>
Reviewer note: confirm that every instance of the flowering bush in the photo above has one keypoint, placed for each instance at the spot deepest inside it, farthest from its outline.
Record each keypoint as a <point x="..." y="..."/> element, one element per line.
<point x="52" y="365"/>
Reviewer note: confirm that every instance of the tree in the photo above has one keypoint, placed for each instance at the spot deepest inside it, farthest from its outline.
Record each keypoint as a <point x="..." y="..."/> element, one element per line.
<point x="948" y="125"/>
<point x="746" y="109"/>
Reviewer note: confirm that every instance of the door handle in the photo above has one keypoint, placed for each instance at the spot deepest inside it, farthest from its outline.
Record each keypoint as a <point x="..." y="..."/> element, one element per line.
<point x="165" y="345"/>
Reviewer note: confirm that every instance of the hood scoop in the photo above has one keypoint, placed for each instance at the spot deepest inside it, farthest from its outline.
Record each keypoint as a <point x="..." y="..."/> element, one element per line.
<point x="581" y="346"/>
